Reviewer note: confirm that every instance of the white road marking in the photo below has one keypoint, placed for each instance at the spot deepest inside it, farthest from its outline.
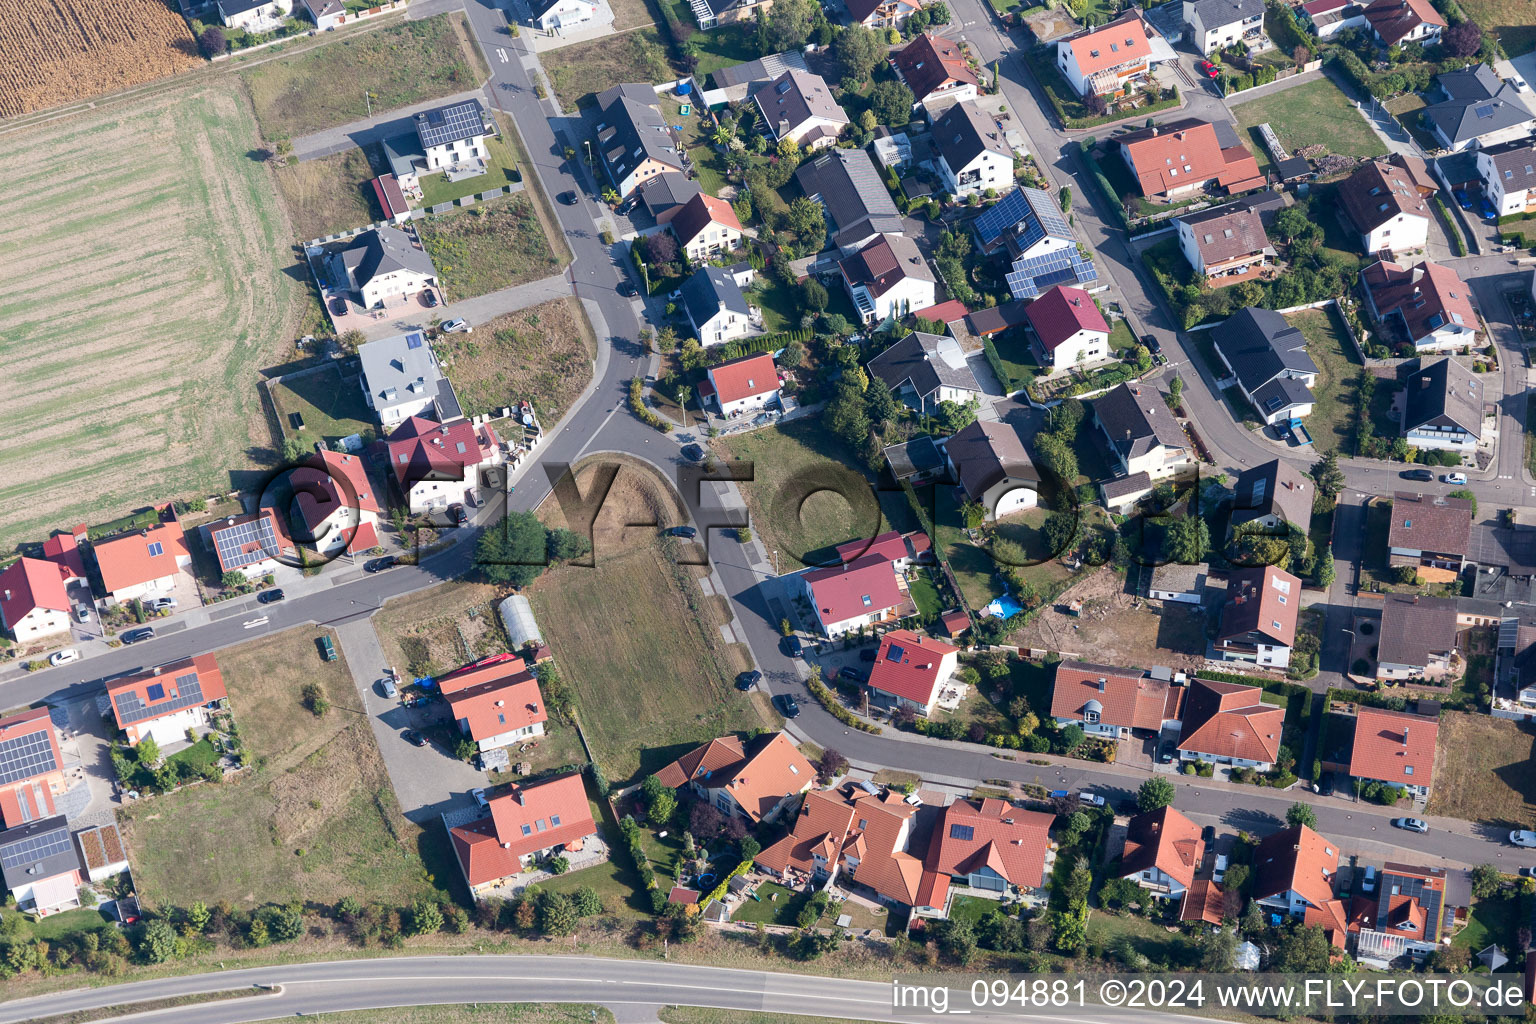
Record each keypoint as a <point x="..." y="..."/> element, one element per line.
<point x="501" y="54"/>
<point x="253" y="623"/>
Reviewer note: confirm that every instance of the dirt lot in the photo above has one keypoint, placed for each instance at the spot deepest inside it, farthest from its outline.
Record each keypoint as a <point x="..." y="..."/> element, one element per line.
<point x="132" y="349"/>
<point x="328" y="195"/>
<point x="1117" y="628"/>
<point x="440" y="629"/>
<point x="542" y="353"/>
<point x="1482" y="771"/>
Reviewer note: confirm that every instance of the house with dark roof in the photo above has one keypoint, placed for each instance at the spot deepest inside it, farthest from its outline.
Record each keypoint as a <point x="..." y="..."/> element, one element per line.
<point x="1027" y="226"/>
<point x="1443" y="406"/>
<point x="1189" y="155"/>
<point x="973" y="155"/>
<point x="739" y="81"/>
<point x="496" y="705"/>
<point x="1275" y="495"/>
<point x="910" y="670"/>
<point x="633" y="137"/>
<point x="1418" y="637"/>
<point x="34" y="603"/>
<point x="1113" y="702"/>
<point x="1269" y="358"/>
<point x="878" y="14"/>
<point x="1508" y="173"/>
<point x="936" y="71"/>
<point x="1229" y="723"/>
<point x="1404" y="21"/>
<point x="381" y="268"/>
<point x="798" y="106"/>
<point x="1067" y="328"/>
<point x="758" y="779"/>
<point x="1394" y="747"/>
<point x="858" y="206"/>
<point x="1258" y="621"/>
<point x="1163" y="850"/>
<point x="1218" y="24"/>
<point x="887" y="279"/>
<point x="716" y="306"/>
<point x="919" y="460"/>
<point x="1388" y="202"/>
<point x="865" y="592"/>
<point x="1430" y="531"/>
<point x="1110" y="60"/>
<point x="255" y="16"/>
<point x="401" y="378"/>
<point x="989" y="459"/>
<point x="741" y="385"/>
<point x="1143" y="436"/>
<point x="705" y="227"/>
<point x="990" y="844"/>
<point x="1428" y="304"/>
<point x="31" y="767"/>
<point x="1294" y="871"/>
<point x="326" y="14"/>
<point x="167" y="700"/>
<point x="438" y="464"/>
<point x="665" y="194"/>
<point x="1474" y="106"/>
<point x="40" y="866"/>
<point x="1409" y="913"/>
<point x="923" y="370"/>
<point x="454" y="135"/>
<point x="1226" y="244"/>
<point x="527" y="825"/>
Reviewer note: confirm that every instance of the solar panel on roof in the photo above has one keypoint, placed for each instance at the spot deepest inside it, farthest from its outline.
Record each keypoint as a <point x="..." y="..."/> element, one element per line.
<point x="896" y="653"/>
<point x="449" y="124"/>
<point x="155" y="691"/>
<point x="26" y="756"/>
<point x="130" y="708"/>
<point x="35" y="848"/>
<point x="1002" y="215"/>
<point x="413" y="341"/>
<point x="246" y="543"/>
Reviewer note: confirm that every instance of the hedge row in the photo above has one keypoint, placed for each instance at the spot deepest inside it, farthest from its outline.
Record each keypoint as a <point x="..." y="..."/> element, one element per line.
<point x="995" y="361"/>
<point x="718" y="891"/>
<point x="831" y="703"/>
<point x="1110" y="195"/>
<point x="752" y="346"/>
<point x="637" y="406"/>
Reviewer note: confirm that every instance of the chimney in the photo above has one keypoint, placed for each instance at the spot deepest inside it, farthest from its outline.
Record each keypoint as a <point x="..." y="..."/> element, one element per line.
<point x="157" y="670"/>
<point x="1405" y="735"/>
<point x="500" y="703"/>
<point x="1154" y="131"/>
<point x="230" y="521"/>
<point x="7" y="595"/>
<point x="517" y="794"/>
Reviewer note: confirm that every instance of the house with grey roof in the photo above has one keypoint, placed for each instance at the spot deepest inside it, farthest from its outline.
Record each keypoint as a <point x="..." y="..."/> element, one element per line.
<point x="1217" y="24"/>
<point x="667" y="193"/>
<point x="919" y="460"/>
<point x="1225" y="243"/>
<point x="253" y="15"/>
<point x="799" y="106"/>
<point x="989" y="460"/>
<point x="1508" y="173"/>
<point x="716" y="306"/>
<point x="1274" y="495"/>
<point x="1142" y="434"/>
<point x="40" y="866"/>
<point x="1475" y="105"/>
<point x="1027" y="226"/>
<point x="453" y="137"/>
<point x="923" y="370"/>
<point x="858" y="205"/>
<point x="1443" y="406"/>
<point x="1184" y="584"/>
<point x="710" y="13"/>
<point x="326" y="14"/>
<point x="401" y="379"/>
<point x="973" y="155"/>
<point x="739" y="81"/>
<point x="1418" y="637"/>
<point x="380" y="268"/>
<point x="1269" y="359"/>
<point x="635" y="141"/>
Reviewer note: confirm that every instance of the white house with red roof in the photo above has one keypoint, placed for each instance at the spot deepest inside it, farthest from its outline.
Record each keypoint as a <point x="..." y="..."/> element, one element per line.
<point x="705" y="227"/>
<point x="496" y="705"/>
<point x="143" y="563"/>
<point x="1405" y="21"/>
<point x="1429" y="302"/>
<point x="63" y="550"/>
<point x="33" y="601"/>
<point x="31" y="767"/>
<point x="252" y="544"/>
<point x="167" y="700"/>
<point x="902" y="549"/>
<point x="336" y="502"/>
<point x="525" y="826"/>
<point x="1394" y="747"/>
<point x="865" y="592"/>
<point x="742" y="385"/>
<point x="438" y="464"/>
<point x="1163" y="850"/>
<point x="991" y="844"/>
<point x="756" y="779"/>
<point x="910" y="670"/>
<point x="1068" y="328"/>
<point x="1109" y="60"/>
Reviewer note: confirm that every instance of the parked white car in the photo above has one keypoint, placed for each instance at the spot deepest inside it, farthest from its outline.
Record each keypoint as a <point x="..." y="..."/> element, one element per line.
<point x="64" y="657"/>
<point x="161" y="604"/>
<point x="479" y="795"/>
<point x="1523" y="837"/>
<point x="83" y="613"/>
<point x="1455" y="478"/>
<point x="457" y="326"/>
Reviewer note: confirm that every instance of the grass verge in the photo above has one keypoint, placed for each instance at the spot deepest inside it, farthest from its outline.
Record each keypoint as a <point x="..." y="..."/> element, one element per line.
<point x="151" y="1006"/>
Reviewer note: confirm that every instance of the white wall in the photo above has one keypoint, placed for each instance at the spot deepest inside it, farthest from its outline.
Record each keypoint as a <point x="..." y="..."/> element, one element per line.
<point x="40" y="622"/>
<point x="1405" y="231"/>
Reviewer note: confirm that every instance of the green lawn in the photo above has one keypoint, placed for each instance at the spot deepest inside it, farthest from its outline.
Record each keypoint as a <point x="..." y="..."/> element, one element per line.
<point x="1016" y="355"/>
<point x="726" y="46"/>
<point x="1032" y="680"/>
<point x="974" y="569"/>
<point x="436" y="188"/>
<point x="1511" y="19"/>
<point x="779" y="302"/>
<point x="971" y="908"/>
<point x="1334" y="418"/>
<point x="1152" y="940"/>
<point x="71" y="922"/>
<point x="198" y="754"/>
<point x="1313" y="114"/>
<point x="770" y="910"/>
<point x="1489" y="921"/>
<point x="1120" y="337"/>
<point x="330" y="404"/>
<point x="925" y="595"/>
<point x="488" y="247"/>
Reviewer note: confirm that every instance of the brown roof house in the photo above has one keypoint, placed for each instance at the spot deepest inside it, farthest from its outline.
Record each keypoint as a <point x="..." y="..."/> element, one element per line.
<point x="1275" y="496"/>
<point x="756" y="780"/>
<point x="1258" y="622"/>
<point x="1388" y="202"/>
<point x="1163" y="851"/>
<point x="1113" y="702"/>
<point x="989" y="460"/>
<point x="1143" y="435"/>
<point x="990" y="844"/>
<point x="798" y="106"/>
<point x="936" y="71"/>
<point x="1225" y="245"/>
<point x="1418" y="637"/>
<point x="1431" y="532"/>
<point x="1228" y="723"/>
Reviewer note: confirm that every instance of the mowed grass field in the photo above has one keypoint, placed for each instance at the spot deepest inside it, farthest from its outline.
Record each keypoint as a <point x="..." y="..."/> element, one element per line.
<point x="1482" y="771"/>
<point x="577" y="73"/>
<point x="315" y="819"/>
<point x="145" y="252"/>
<point x="1513" y="20"/>
<point x="1313" y="114"/>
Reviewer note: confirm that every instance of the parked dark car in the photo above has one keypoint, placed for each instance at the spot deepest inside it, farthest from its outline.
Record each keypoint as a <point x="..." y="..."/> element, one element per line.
<point x="457" y="514"/>
<point x="793" y="647"/>
<point x="627" y="287"/>
<point x="747" y="680"/>
<point x="379" y="564"/>
<point x="1417" y="474"/>
<point x="429" y="297"/>
<point x="852" y="674"/>
<point x="787" y="705"/>
<point x="568" y="198"/>
<point x="339" y="306"/>
<point x="1167" y="752"/>
<point x="415" y="737"/>
<point x="683" y="531"/>
<point x="270" y="596"/>
<point x="693" y="453"/>
<point x="133" y="636"/>
<point x="1462" y="199"/>
<point x="1153" y="345"/>
<point x="869" y="653"/>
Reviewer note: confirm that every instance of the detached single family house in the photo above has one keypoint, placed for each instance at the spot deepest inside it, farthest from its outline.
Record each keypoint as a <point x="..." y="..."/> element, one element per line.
<point x="143" y="563"/>
<point x="859" y="208"/>
<point x="1430" y="532"/>
<point x="40" y="866"/>
<point x="742" y="385"/>
<point x="1388" y="201"/>
<point x="1226" y="244"/>
<point x="923" y="370"/>
<point x="530" y="824"/>
<point x="380" y="268"/>
<point x="167" y="700"/>
<point x="705" y="227"/>
<point x="560" y="15"/>
<point x="936" y="71"/>
<point x="1113" y="702"/>
<point x="887" y="279"/>
<point x="1475" y="108"/>
<point x="1269" y="358"/>
<point x="989" y="844"/>
<point x="1293" y="874"/>
<point x="1110" y="60"/>
<point x="1428" y="303"/>
<point x="1143" y="436"/>
<point x="1418" y="637"/>
<point x="882" y="13"/>
<point x="401" y="378"/>
<point x="757" y="779"/>
<point x="864" y="592"/>
<point x="1394" y="747"/>
<point x="253" y="544"/>
<point x="1218" y="24"/>
<point x="326" y="14"/>
<point x="1508" y="173"/>
<point x="1443" y="406"/>
<point x="1163" y="850"/>
<point x="911" y="670"/>
<point x="336" y="502"/>
<point x="254" y="16"/>
<point x="1274" y="495"/>
<point x="1069" y="331"/>
<point x="31" y="768"/>
<point x="1404" y="21"/>
<point x="453" y="136"/>
<point x="798" y="106"/>
<point x="1028" y="224"/>
<point x="1228" y="723"/>
<point x="1258" y="621"/>
<point x="438" y="464"/>
<point x="496" y="705"/>
<point x="989" y="459"/>
<point x="34" y="603"/>
<point x="973" y="155"/>
<point x="716" y="306"/>
<point x="634" y="138"/>
<point x="1179" y="158"/>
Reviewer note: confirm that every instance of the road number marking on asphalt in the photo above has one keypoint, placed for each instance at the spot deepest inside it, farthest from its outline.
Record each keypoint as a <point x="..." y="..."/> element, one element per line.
<point x="501" y="54"/>
<point x="253" y="623"/>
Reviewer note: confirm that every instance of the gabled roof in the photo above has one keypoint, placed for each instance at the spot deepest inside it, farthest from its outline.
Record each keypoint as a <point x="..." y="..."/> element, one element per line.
<point x="757" y="774"/>
<point x="1260" y="346"/>
<point x="29" y="747"/>
<point x="166" y="689"/>
<point x="907" y="665"/>
<point x="63" y="550"/>
<point x="499" y="705"/>
<point x="1435" y="523"/>
<point x="632" y="130"/>
<point x="744" y="378"/>
<point x="380" y="251"/>
<point x="1226" y="232"/>
<point x="760" y="70"/>
<point x="1121" y="41"/>
<point x="1164" y="839"/>
<point x="1414" y="627"/>
<point x="860" y="10"/>
<point x="141" y="556"/>
<point x="1125" y="698"/>
<point x="1380" y="190"/>
<point x="926" y="362"/>
<point x="1217" y="13"/>
<point x="857" y="202"/>
<point x="709" y="291"/>
<point x="930" y="62"/>
<point x="402" y="369"/>
<point x="987" y="452"/>
<point x="1427" y="297"/>
<point x="1298" y="860"/>
<point x="328" y="482"/>
<point x="992" y="833"/>
<point x="1230" y="720"/>
<point x="1169" y="155"/>
<point x="1019" y="220"/>
<point x="794" y="98"/>
<point x="1392" y="20"/>
<point x="891" y="545"/>
<point x="1204" y="901"/>
<point x="1514" y="164"/>
<point x="454" y="122"/>
<point x="964" y="132"/>
<point x="553" y="812"/>
<point x="245" y="540"/>
<point x="422" y="449"/>
<point x="1393" y="746"/>
<point x="698" y="213"/>
<point x="666" y="193"/>
<point x="1263" y="600"/>
<point x="1061" y="312"/>
<point x="1443" y="392"/>
<point x="885" y="263"/>
<point x="28" y="584"/>
<point x="35" y="851"/>
<point x="1275" y="488"/>
<point x="862" y="587"/>
<point x="1137" y="421"/>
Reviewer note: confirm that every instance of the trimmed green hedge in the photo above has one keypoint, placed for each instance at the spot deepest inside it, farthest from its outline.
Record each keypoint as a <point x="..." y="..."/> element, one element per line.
<point x="752" y="346"/>
<point x="995" y="361"/>
<point x="1097" y="173"/>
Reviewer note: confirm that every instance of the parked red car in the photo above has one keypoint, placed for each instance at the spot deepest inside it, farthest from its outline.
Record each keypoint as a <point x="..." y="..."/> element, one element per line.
<point x="1211" y="70"/>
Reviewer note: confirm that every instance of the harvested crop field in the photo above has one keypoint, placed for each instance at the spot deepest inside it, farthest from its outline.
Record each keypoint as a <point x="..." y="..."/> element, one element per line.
<point x="52" y="52"/>
<point x="541" y="353"/>
<point x="148" y="290"/>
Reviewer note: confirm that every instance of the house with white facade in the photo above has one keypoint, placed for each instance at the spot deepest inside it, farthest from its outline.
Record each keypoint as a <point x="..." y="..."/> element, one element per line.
<point x="167" y="700"/>
<point x="1186" y="156"/>
<point x="635" y="140"/>
<point x="1229" y="724"/>
<point x="973" y="155"/>
<point x="380" y="268"/>
<point x="1428" y="303"/>
<point x="911" y="670"/>
<point x="1294" y="871"/>
<point x="1268" y="357"/>
<point x="143" y="563"/>
<point x="1163" y="850"/>
<point x="496" y="705"/>
<point x="1508" y="173"/>
<point x="1258" y="620"/>
<point x="1068" y="329"/>
<point x="1327" y="17"/>
<point x="741" y="385"/>
<point x="1225" y="244"/>
<point x="1404" y="21"/>
<point x="798" y="106"/>
<point x="1183" y="584"/>
<point x="253" y="544"/>
<point x="1029" y="226"/>
<point x="758" y="779"/>
<point x="1418" y="633"/>
<point x="439" y="464"/>
<point x="887" y="279"/>
<point x="453" y="136"/>
<point x="1114" y="703"/>
<point x="564" y="15"/>
<point x="923" y="370"/>
<point x="34" y="604"/>
<point x="1218" y="24"/>
<point x="865" y="592"/>
<point x="994" y="469"/>
<point x="716" y="307"/>
<point x="336" y="502"/>
<point x="1473" y="107"/>
<point x="326" y="14"/>
<point x="401" y="378"/>
<point x="1388" y="201"/>
<point x="936" y="71"/>
<point x="1443" y="406"/>
<point x="40" y="866"/>
<point x="1143" y="436"/>
<point x="254" y="16"/>
<point x="1109" y="60"/>
<point x="705" y="227"/>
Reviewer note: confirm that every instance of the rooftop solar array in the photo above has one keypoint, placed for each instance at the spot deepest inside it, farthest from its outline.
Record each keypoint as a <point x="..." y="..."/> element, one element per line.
<point x="35" y="848"/>
<point x="1001" y="215"/>
<point x="449" y="124"/>
<point x="26" y="756"/>
<point x="246" y="543"/>
<point x="1029" y="212"/>
<point x="1031" y="276"/>
<point x="130" y="708"/>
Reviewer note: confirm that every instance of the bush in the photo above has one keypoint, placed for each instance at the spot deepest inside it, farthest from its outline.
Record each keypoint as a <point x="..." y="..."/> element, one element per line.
<point x="312" y="696"/>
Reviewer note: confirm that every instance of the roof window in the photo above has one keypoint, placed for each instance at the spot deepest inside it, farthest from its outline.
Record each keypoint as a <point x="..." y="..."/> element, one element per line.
<point x="155" y="549"/>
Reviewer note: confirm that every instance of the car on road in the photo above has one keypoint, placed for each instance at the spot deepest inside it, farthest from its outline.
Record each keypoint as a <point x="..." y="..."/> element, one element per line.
<point x="1417" y="474"/>
<point x="429" y="297"/>
<point x="1462" y="199"/>
<point x="787" y="705"/>
<point x="387" y="686"/>
<point x="64" y="657"/>
<point x="627" y="288"/>
<point x="747" y="680"/>
<point x="852" y="674"/>
<point x="161" y="604"/>
<point x="683" y="531"/>
<point x="1455" y="478"/>
<point x="1486" y="209"/>
<point x="793" y="647"/>
<point x="415" y="737"/>
<point x="379" y="564"/>
<point x="458" y="325"/>
<point x="457" y="514"/>
<point x="1523" y="837"/>
<point x="1410" y="825"/>
<point x="1210" y="70"/>
<point x="480" y="798"/>
<point x="568" y="198"/>
<point x="693" y="452"/>
<point x="270" y="596"/>
<point x="133" y="636"/>
<point x="1088" y="797"/>
<point x="1527" y="872"/>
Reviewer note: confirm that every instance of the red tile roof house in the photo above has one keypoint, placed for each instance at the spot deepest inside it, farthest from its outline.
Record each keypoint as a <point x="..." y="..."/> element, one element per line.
<point x="63" y="549"/>
<point x="253" y="544"/>
<point x="705" y="227"/>
<point x="1387" y="200"/>
<point x="1429" y="303"/>
<point x="525" y="826"/>
<point x="865" y="592"/>
<point x="143" y="563"/>
<point x="31" y="767"/>
<point x="936" y="71"/>
<point x="911" y="670"/>
<point x="1258" y="621"/>
<point x="437" y="464"/>
<point x="1113" y="702"/>
<point x="336" y="502"/>
<point x="1405" y="21"/>
<point x="1110" y="60"/>
<point x="902" y="549"/>
<point x="1163" y="850"/>
<point x="742" y="385"/>
<point x="1228" y="723"/>
<point x="1069" y="331"/>
<point x="989" y="844"/>
<point x="496" y="705"/>
<point x="1293" y="874"/>
<point x="758" y="780"/>
<point x="1173" y="160"/>
<point x="1396" y="748"/>
<point x="167" y="700"/>
<point x="33" y="602"/>
<point x="40" y="866"/>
